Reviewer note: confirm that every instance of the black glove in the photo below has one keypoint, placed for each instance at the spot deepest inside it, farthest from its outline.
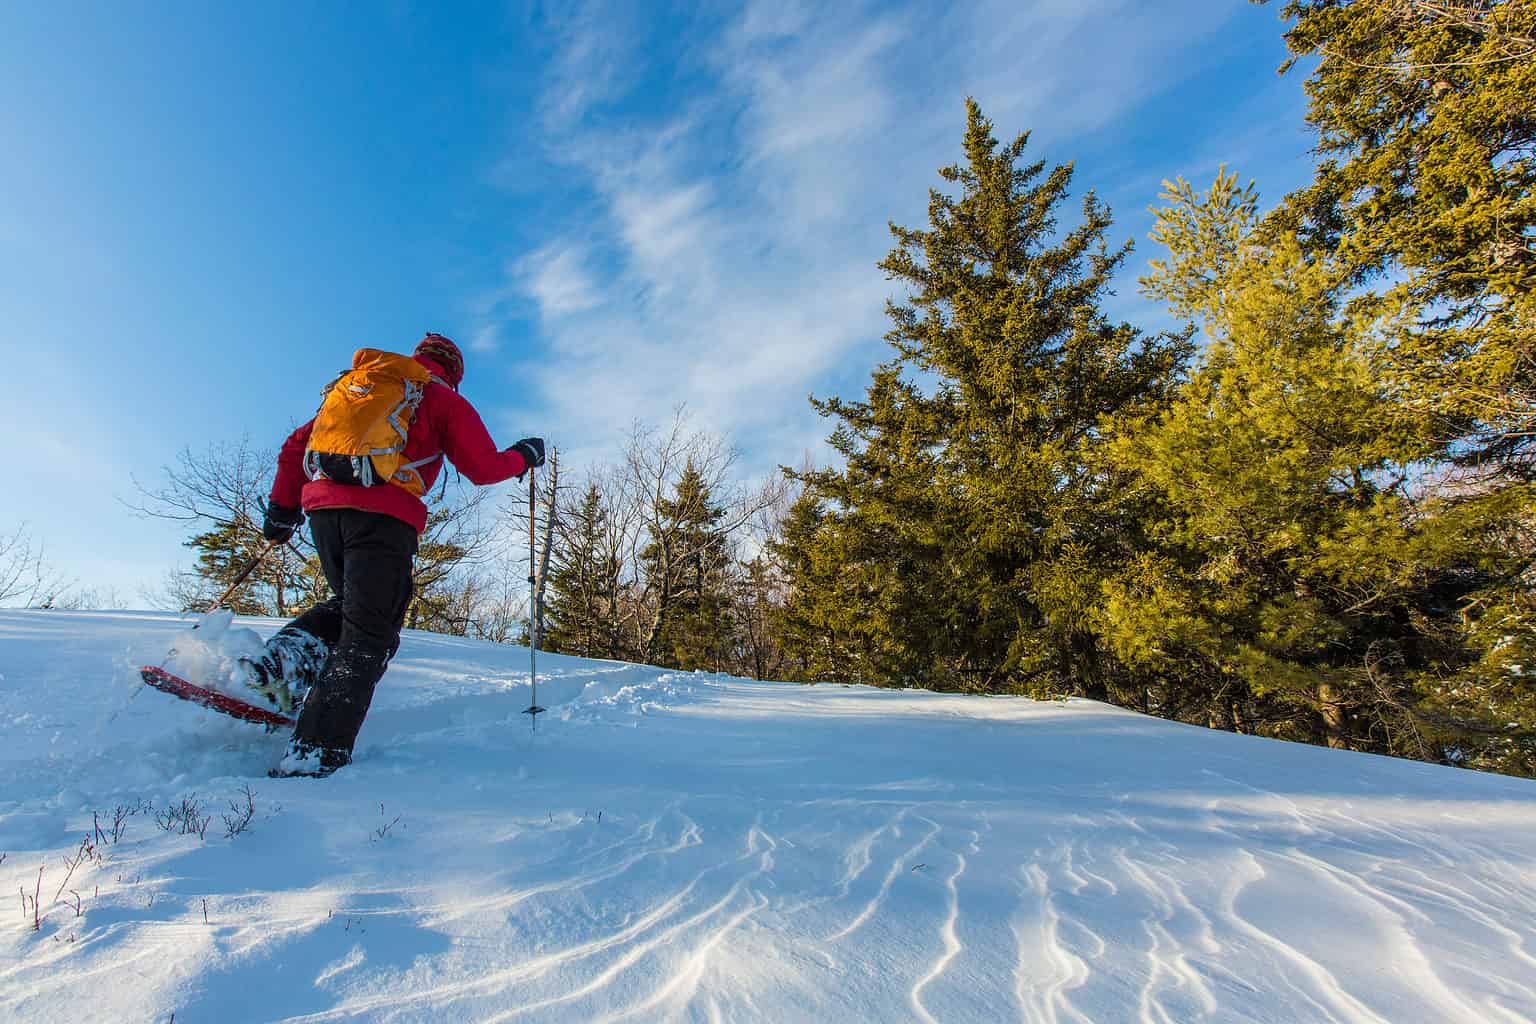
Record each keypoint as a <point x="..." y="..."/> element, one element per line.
<point x="532" y="451"/>
<point x="280" y="522"/>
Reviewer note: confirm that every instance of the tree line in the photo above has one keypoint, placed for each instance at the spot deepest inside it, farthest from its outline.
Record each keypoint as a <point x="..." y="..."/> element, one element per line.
<point x="1308" y="514"/>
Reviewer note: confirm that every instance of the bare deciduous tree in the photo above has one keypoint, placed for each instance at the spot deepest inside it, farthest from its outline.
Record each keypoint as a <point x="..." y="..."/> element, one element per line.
<point x="501" y="606"/>
<point x="456" y="543"/>
<point x="219" y="493"/>
<point x="94" y="598"/>
<point x="25" y="575"/>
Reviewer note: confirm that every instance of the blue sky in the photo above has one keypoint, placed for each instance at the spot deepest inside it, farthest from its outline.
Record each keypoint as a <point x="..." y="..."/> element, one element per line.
<point x="614" y="208"/>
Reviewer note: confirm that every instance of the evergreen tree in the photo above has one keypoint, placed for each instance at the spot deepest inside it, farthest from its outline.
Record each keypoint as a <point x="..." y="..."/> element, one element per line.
<point x="819" y="624"/>
<point x="282" y="583"/>
<point x="579" y="615"/>
<point x="1425" y="206"/>
<point x="1300" y="583"/>
<point x="685" y="565"/>
<point x="963" y="543"/>
<point x="1426" y="119"/>
<point x="756" y="601"/>
<point x="223" y="552"/>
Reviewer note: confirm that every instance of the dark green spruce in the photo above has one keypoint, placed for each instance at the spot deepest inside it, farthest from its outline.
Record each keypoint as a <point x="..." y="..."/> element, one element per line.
<point x="963" y="543"/>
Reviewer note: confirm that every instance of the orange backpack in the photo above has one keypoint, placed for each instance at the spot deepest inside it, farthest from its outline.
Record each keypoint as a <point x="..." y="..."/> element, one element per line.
<point x="364" y="419"/>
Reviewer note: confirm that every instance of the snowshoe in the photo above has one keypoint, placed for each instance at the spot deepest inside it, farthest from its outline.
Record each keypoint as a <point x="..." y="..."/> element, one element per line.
<point x="176" y="686"/>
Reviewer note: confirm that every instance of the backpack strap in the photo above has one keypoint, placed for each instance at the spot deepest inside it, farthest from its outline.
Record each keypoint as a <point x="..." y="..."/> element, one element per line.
<point x="408" y="404"/>
<point x="422" y="462"/>
<point x="410" y="469"/>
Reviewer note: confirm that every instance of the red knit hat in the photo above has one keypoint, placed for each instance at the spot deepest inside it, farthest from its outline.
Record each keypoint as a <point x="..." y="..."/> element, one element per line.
<point x="446" y="354"/>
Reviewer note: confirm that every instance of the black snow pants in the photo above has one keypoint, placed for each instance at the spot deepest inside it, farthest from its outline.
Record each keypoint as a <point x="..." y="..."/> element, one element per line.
<point x="367" y="559"/>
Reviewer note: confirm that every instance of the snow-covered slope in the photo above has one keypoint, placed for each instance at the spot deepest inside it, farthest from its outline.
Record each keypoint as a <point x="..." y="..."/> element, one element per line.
<point x="689" y="847"/>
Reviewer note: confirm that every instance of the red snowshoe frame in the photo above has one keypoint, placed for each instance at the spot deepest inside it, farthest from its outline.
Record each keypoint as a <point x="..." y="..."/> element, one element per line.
<point x="223" y="703"/>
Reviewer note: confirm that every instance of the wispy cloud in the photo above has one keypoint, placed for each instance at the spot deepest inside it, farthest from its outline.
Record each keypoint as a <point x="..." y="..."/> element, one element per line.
<point x="592" y="60"/>
<point x="557" y="279"/>
<point x="739" y="205"/>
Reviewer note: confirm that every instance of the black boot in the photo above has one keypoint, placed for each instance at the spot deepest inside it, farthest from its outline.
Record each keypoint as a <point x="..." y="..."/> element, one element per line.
<point x="286" y="671"/>
<point x="310" y="762"/>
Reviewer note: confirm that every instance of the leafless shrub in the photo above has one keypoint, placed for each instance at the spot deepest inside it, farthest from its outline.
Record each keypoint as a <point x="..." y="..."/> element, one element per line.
<point x="32" y="906"/>
<point x="86" y="851"/>
<point x="185" y="818"/>
<point x="109" y="831"/>
<point x="382" y="832"/>
<point x="239" y="818"/>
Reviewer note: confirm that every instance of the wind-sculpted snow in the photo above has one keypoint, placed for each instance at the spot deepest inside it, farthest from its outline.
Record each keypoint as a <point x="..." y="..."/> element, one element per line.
<point x="671" y="846"/>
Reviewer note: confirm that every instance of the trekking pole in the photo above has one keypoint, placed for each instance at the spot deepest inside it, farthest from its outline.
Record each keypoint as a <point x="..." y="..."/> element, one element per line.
<point x="533" y="708"/>
<point x="244" y="573"/>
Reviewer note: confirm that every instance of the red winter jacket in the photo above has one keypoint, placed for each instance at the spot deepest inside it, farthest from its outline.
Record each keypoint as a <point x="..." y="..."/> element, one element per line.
<point x="445" y="424"/>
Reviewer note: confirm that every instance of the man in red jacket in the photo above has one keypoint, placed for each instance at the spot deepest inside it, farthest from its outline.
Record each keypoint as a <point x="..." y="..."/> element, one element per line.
<point x="366" y="538"/>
